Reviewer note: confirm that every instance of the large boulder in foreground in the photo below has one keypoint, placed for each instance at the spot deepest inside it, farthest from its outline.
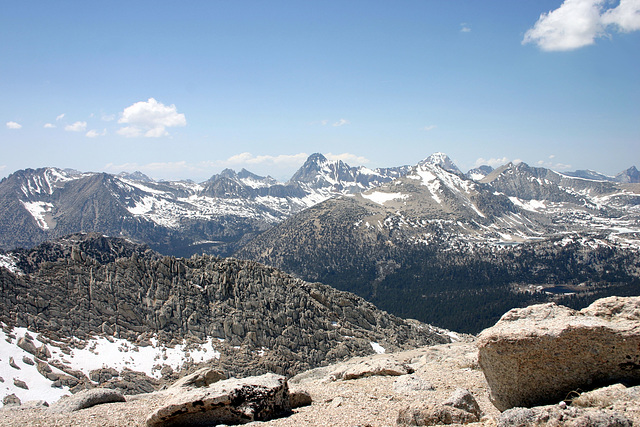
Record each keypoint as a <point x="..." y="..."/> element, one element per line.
<point x="539" y="354"/>
<point x="233" y="401"/>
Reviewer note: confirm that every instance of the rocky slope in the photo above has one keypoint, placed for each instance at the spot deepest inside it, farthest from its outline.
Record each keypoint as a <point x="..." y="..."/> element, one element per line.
<point x="87" y="297"/>
<point x="437" y="385"/>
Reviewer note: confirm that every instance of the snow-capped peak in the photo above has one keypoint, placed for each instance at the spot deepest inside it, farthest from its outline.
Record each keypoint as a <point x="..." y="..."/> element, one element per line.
<point x="442" y="160"/>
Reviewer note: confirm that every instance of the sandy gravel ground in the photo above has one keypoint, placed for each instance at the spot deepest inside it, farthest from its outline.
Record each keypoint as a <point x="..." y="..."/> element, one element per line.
<point x="368" y="401"/>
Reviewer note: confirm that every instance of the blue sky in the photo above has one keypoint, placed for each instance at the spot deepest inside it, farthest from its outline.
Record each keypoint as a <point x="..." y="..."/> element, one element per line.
<point x="185" y="89"/>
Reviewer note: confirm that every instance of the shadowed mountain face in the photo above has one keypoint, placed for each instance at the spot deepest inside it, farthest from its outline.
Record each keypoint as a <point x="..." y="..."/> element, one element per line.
<point x="443" y="249"/>
<point x="401" y="237"/>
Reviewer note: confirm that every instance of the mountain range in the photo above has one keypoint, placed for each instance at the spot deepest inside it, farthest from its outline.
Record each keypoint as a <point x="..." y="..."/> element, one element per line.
<point x="426" y="242"/>
<point x="179" y="218"/>
<point x="444" y="249"/>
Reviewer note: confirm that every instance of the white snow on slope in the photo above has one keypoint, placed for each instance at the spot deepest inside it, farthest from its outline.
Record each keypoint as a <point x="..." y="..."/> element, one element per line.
<point x="381" y="198"/>
<point x="39" y="211"/>
<point x="377" y="348"/>
<point x="98" y="353"/>
<point x="9" y="262"/>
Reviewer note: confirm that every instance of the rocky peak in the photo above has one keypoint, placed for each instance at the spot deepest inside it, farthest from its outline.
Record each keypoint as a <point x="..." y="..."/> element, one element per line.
<point x="479" y="173"/>
<point x="135" y="176"/>
<point x="631" y="175"/>
<point x="442" y="160"/>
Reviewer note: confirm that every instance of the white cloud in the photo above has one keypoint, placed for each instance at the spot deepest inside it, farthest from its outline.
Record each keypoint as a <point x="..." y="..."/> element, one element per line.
<point x="350" y="159"/>
<point x="341" y="122"/>
<point x="282" y="160"/>
<point x="76" y="127"/>
<point x="626" y="17"/>
<point x="281" y="166"/>
<point x="108" y="117"/>
<point x="430" y="127"/>
<point x="49" y="125"/>
<point x="578" y="23"/>
<point x="14" y="125"/>
<point x="150" y="119"/>
<point x="129" y="131"/>
<point x="60" y="117"/>
<point x="94" y="133"/>
<point x="464" y="28"/>
<point x="494" y="162"/>
<point x="551" y="165"/>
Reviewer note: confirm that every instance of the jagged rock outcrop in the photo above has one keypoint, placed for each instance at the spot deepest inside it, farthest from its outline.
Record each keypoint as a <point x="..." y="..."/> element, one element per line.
<point x="226" y="402"/>
<point x="540" y="354"/>
<point x="266" y="321"/>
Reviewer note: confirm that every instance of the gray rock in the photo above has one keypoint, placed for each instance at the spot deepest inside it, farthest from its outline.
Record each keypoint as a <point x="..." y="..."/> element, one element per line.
<point x="28" y="360"/>
<point x="103" y="375"/>
<point x="460" y="408"/>
<point x="201" y="378"/>
<point x="87" y="399"/>
<point x="11" y="400"/>
<point x="20" y="383"/>
<point x="557" y="415"/>
<point x="430" y="415"/>
<point x="12" y="363"/>
<point x="408" y="384"/>
<point x="464" y="400"/>
<point x="230" y="401"/>
<point x="608" y="397"/>
<point x="539" y="354"/>
<point x="35" y="404"/>
<point x="381" y="366"/>
<point x="299" y="398"/>
<point x="27" y="345"/>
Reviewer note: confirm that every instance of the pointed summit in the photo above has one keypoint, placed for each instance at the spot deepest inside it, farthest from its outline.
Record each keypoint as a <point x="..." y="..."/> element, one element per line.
<point x="442" y="160"/>
<point x="631" y="175"/>
<point x="311" y="168"/>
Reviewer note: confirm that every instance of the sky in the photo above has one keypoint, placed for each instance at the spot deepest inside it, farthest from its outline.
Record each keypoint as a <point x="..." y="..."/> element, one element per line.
<point x="182" y="90"/>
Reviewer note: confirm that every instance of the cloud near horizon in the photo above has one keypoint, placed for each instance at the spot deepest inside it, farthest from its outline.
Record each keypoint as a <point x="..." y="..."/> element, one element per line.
<point x="150" y="119"/>
<point x="14" y="125"/>
<point x="76" y="127"/>
<point x="493" y="162"/>
<point x="281" y="166"/>
<point x="578" y="23"/>
<point x="341" y="122"/>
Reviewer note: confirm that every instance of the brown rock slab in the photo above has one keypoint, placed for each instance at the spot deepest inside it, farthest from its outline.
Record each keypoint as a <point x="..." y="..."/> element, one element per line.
<point x="383" y="366"/>
<point x="86" y="399"/>
<point x="233" y="401"/>
<point x="201" y="378"/>
<point x="540" y="354"/>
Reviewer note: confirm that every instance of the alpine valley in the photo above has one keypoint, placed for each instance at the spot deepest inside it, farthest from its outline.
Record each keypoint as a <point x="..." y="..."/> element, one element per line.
<point x="121" y="281"/>
<point x="425" y="242"/>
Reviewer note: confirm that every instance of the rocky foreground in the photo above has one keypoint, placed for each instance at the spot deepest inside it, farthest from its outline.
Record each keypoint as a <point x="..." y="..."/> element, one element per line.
<point x="594" y="355"/>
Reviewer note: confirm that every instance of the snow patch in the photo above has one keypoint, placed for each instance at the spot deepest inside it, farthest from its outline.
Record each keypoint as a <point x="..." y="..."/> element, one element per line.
<point x="9" y="262"/>
<point x="381" y="198"/>
<point x="41" y="212"/>
<point x="377" y="348"/>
